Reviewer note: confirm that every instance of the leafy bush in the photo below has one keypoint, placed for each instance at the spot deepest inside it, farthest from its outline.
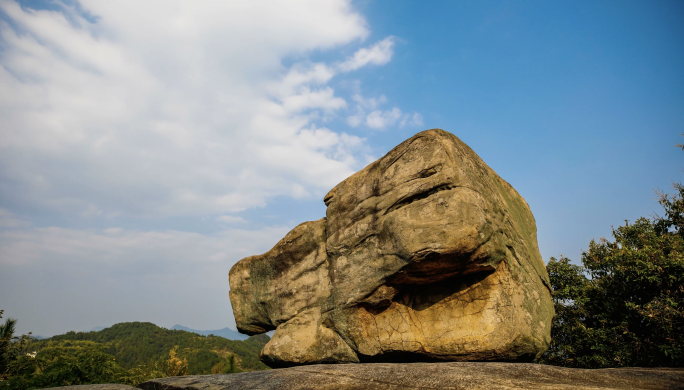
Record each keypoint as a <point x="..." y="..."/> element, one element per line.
<point x="62" y="365"/>
<point x="625" y="305"/>
<point x="226" y="366"/>
<point x="10" y="346"/>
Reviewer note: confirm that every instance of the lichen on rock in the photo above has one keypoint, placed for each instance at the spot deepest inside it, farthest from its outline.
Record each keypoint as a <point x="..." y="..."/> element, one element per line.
<point x="424" y="255"/>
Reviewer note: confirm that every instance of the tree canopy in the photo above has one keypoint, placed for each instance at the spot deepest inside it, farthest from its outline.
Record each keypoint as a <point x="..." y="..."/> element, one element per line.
<point x="134" y="343"/>
<point x="128" y="353"/>
<point x="625" y="305"/>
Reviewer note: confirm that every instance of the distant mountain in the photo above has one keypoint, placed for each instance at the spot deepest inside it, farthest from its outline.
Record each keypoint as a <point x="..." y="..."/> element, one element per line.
<point x="98" y="328"/>
<point x="226" y="333"/>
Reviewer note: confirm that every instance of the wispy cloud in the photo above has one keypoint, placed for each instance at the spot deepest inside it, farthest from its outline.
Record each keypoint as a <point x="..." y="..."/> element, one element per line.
<point x="230" y="219"/>
<point x="378" y="54"/>
<point x="172" y="110"/>
<point x="161" y="110"/>
<point x="379" y="119"/>
<point x="10" y="220"/>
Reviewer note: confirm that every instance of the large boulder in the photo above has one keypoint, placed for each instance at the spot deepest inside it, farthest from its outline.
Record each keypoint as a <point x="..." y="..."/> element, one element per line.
<point x="424" y="255"/>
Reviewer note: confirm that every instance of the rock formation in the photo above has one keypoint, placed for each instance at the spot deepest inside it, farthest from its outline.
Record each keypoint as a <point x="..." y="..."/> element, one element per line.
<point x="424" y="255"/>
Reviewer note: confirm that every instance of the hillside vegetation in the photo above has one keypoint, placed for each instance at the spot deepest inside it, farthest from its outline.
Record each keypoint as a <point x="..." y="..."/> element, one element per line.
<point x="128" y="353"/>
<point x="136" y="343"/>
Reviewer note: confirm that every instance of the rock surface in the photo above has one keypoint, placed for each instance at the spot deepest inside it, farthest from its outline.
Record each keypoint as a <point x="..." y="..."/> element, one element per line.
<point x="425" y="254"/>
<point x="108" y="386"/>
<point x="458" y="375"/>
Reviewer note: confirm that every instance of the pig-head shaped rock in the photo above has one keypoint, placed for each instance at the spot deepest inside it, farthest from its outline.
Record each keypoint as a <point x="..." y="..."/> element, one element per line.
<point x="424" y="255"/>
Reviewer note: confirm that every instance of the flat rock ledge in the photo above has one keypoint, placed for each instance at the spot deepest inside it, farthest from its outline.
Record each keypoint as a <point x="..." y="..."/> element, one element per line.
<point x="453" y="375"/>
<point x="106" y="386"/>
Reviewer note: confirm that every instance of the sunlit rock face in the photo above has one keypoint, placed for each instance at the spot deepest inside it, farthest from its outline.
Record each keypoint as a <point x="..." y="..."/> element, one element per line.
<point x="424" y="255"/>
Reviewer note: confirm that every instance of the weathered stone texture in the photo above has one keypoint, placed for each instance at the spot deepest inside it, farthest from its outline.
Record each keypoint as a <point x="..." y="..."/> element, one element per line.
<point x="109" y="386"/>
<point x="460" y="376"/>
<point x="425" y="254"/>
<point x="270" y="289"/>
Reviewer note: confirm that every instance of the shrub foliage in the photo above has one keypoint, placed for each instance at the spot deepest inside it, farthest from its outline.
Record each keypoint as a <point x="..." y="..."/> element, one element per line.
<point x="625" y="305"/>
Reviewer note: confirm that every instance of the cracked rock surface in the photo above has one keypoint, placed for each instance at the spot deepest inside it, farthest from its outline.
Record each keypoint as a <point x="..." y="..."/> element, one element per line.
<point x="109" y="386"/>
<point x="459" y="375"/>
<point x="424" y="255"/>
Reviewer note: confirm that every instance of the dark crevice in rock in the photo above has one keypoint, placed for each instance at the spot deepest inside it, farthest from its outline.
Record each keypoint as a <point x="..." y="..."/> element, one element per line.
<point x="427" y="172"/>
<point x="428" y="266"/>
<point x="419" y="196"/>
<point x="422" y="297"/>
<point x="422" y="357"/>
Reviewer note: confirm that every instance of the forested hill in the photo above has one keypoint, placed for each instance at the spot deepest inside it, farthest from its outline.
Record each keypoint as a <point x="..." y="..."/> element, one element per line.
<point x="136" y="343"/>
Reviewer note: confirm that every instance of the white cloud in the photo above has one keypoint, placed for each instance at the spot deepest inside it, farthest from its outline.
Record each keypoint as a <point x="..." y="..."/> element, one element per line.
<point x="378" y="119"/>
<point x="378" y="54"/>
<point x="174" y="109"/>
<point x="163" y="109"/>
<point x="369" y="103"/>
<point x="299" y="192"/>
<point x="355" y="120"/>
<point x="84" y="278"/>
<point x="412" y="120"/>
<point x="10" y="220"/>
<point x="230" y="219"/>
<point x="381" y="119"/>
<point x="300" y="74"/>
<point x="323" y="98"/>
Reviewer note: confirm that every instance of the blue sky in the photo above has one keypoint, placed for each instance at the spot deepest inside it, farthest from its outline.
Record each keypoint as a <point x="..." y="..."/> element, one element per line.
<point x="146" y="147"/>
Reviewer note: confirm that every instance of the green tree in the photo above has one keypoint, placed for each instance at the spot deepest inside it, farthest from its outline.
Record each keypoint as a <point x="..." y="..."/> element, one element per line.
<point x="625" y="305"/>
<point x="81" y="362"/>
<point x="140" y="343"/>
<point x="62" y="364"/>
<point x="11" y="347"/>
<point x="226" y="366"/>
<point x="174" y="366"/>
<point x="6" y="335"/>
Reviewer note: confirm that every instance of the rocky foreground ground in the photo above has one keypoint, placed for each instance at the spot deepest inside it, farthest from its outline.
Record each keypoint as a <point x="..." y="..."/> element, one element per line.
<point x="457" y="375"/>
